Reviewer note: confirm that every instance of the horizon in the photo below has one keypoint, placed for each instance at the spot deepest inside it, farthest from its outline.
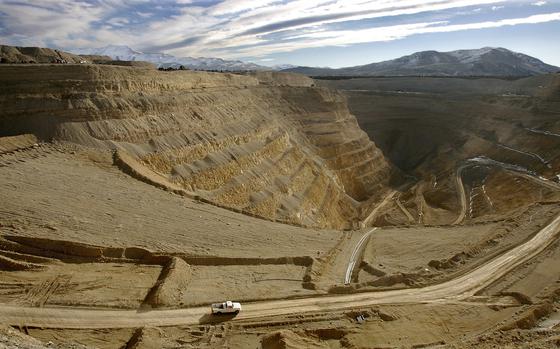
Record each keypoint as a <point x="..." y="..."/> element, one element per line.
<point x="318" y="33"/>
<point x="327" y="67"/>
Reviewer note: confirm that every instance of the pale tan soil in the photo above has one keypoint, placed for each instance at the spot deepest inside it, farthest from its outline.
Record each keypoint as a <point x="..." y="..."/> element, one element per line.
<point x="10" y="144"/>
<point x="387" y="248"/>
<point x="422" y="254"/>
<point x="70" y="197"/>
<point x="86" y="284"/>
<point x="10" y="338"/>
<point x="383" y="328"/>
<point x="242" y="283"/>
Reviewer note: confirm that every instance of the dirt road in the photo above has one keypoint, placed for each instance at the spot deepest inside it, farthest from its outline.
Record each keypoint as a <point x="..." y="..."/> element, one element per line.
<point x="513" y="169"/>
<point x="404" y="210"/>
<point x="374" y="212"/>
<point x="462" y="196"/>
<point x="451" y="291"/>
<point x="354" y="257"/>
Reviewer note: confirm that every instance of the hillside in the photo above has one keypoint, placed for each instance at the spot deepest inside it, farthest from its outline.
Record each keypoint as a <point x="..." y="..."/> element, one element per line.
<point x="432" y="127"/>
<point x="486" y="61"/>
<point x="269" y="145"/>
<point x="12" y="54"/>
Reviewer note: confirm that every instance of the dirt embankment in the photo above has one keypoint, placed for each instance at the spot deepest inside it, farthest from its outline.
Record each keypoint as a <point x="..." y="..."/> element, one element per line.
<point x="178" y="283"/>
<point x="271" y="145"/>
<point x="171" y="284"/>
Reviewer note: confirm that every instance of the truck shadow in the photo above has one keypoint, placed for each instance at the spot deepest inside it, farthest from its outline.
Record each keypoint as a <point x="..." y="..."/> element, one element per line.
<point x="216" y="318"/>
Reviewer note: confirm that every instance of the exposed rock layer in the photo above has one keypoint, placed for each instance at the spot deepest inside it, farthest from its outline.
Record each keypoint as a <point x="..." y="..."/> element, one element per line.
<point x="272" y="145"/>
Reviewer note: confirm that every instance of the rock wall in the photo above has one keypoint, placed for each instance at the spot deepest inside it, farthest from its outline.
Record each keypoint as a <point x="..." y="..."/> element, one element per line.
<point x="268" y="144"/>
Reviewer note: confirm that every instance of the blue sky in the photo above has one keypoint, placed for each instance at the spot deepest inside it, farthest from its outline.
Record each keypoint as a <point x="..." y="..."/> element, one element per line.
<point x="331" y="33"/>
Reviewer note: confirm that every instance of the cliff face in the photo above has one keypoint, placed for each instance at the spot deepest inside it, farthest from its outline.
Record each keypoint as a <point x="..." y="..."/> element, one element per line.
<point x="272" y="145"/>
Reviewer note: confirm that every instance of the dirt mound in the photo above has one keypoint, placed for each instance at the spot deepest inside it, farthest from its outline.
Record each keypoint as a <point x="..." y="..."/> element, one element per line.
<point x="10" y="264"/>
<point x="9" y="144"/>
<point x="530" y="317"/>
<point x="12" y="339"/>
<point x="287" y="339"/>
<point x="146" y="338"/>
<point x="170" y="288"/>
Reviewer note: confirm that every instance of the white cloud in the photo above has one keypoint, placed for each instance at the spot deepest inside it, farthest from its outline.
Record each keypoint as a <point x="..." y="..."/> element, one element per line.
<point x="379" y="34"/>
<point x="118" y="21"/>
<point x="144" y="14"/>
<point x="496" y="8"/>
<point x="539" y="3"/>
<point x="231" y="28"/>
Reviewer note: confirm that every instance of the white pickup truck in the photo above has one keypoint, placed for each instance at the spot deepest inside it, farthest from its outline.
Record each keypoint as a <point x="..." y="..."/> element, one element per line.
<point x="227" y="307"/>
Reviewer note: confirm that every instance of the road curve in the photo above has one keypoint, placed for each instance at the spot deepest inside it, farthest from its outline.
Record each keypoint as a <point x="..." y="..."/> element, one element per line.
<point x="490" y="162"/>
<point x="462" y="196"/>
<point x="451" y="291"/>
<point x="354" y="257"/>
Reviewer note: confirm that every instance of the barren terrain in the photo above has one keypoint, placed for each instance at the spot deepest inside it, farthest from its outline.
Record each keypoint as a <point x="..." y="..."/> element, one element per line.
<point x="132" y="199"/>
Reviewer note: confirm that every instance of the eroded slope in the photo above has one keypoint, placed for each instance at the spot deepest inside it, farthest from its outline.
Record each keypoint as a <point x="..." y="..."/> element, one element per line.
<point x="270" y="145"/>
<point x="476" y="149"/>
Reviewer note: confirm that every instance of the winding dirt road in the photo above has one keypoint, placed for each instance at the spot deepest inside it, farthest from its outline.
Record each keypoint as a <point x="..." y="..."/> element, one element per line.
<point x="451" y="291"/>
<point x="490" y="162"/>
<point x="354" y="257"/>
<point x="462" y="195"/>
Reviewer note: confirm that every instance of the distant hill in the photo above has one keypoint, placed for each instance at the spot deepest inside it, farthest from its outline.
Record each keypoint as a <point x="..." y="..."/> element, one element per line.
<point x="487" y="61"/>
<point x="125" y="53"/>
<point x="13" y="54"/>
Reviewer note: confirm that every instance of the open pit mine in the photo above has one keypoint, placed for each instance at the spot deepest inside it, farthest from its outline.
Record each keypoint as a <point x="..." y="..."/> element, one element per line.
<point x="405" y="212"/>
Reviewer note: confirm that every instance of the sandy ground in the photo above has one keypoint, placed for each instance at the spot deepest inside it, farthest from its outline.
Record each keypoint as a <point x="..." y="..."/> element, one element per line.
<point x="244" y="283"/>
<point x="72" y="197"/>
<point x="86" y="284"/>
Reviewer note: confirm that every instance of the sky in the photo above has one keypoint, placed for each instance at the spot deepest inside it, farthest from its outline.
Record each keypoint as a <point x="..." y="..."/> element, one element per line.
<point x="334" y="33"/>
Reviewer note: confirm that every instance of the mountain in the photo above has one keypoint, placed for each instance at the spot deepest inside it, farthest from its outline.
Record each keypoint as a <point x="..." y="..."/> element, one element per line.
<point x="125" y="53"/>
<point x="487" y="61"/>
<point x="283" y="66"/>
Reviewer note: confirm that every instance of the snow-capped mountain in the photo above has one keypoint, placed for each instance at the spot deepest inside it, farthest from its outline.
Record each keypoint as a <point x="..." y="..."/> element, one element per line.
<point x="283" y="66"/>
<point x="487" y="61"/>
<point x="125" y="53"/>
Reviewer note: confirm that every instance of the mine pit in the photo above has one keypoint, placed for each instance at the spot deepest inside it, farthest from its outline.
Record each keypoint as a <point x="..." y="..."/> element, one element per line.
<point x="373" y="212"/>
